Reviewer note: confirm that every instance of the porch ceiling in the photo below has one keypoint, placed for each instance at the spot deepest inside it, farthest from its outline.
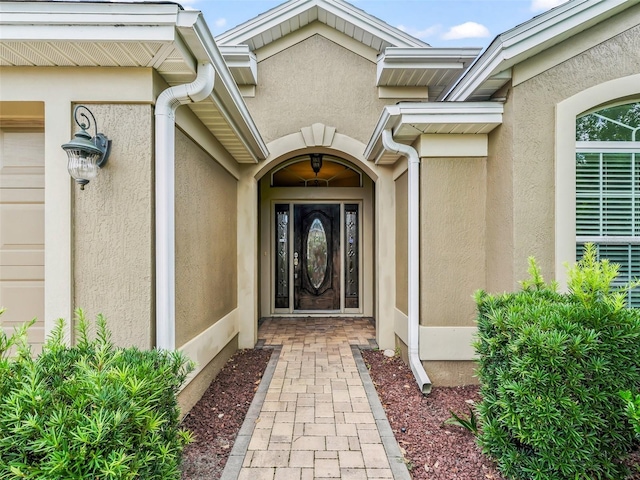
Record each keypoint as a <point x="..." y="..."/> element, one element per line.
<point x="74" y="34"/>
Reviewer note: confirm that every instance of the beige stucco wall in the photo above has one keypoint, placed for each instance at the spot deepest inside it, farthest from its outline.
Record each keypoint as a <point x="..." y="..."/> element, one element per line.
<point x="190" y="395"/>
<point x="402" y="268"/>
<point x="499" y="207"/>
<point x="532" y="108"/>
<point x="315" y="81"/>
<point x="452" y="239"/>
<point x="113" y="256"/>
<point x="206" y="239"/>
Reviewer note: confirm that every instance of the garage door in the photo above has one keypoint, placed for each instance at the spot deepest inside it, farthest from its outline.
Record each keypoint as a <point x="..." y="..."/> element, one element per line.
<point x="22" y="231"/>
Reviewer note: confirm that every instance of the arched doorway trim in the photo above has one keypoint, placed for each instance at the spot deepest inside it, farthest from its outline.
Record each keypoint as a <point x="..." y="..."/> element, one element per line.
<point x="321" y="139"/>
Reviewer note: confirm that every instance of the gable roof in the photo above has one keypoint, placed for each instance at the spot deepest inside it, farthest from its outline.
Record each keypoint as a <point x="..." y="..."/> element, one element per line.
<point x="492" y="69"/>
<point x="338" y="14"/>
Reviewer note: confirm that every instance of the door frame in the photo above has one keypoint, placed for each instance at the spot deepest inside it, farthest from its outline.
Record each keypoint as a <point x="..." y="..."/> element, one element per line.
<point x="363" y="197"/>
<point x="341" y="232"/>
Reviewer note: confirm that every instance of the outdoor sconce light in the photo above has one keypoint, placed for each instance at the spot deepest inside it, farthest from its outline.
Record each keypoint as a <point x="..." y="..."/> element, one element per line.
<point x="86" y="153"/>
<point x="316" y="162"/>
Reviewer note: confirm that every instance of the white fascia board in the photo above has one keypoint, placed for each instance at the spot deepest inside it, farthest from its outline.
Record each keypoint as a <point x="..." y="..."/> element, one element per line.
<point x="428" y="55"/>
<point x="80" y="21"/>
<point x="239" y="56"/>
<point x="395" y="116"/>
<point x="349" y="13"/>
<point x="532" y="37"/>
<point x="226" y="96"/>
<point x="84" y="13"/>
<point x="370" y="24"/>
<point x="428" y="58"/>
<point x="85" y="33"/>
<point x="271" y="18"/>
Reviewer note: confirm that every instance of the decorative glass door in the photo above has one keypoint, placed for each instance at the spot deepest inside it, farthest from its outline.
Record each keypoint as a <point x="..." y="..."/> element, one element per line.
<point x="316" y="257"/>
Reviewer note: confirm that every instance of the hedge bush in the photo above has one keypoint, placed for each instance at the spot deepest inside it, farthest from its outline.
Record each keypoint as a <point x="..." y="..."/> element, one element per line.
<point x="633" y="410"/>
<point x="89" y="411"/>
<point x="551" y="367"/>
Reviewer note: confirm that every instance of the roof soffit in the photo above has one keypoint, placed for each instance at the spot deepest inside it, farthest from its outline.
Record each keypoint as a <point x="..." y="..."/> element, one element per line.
<point x="337" y="14"/>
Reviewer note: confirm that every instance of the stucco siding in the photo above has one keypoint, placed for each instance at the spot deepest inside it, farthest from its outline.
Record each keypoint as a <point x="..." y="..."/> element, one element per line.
<point x="499" y="211"/>
<point x="534" y="132"/>
<point x="315" y="81"/>
<point x="452" y="237"/>
<point x="402" y="267"/>
<point x="206" y="251"/>
<point x="113" y="256"/>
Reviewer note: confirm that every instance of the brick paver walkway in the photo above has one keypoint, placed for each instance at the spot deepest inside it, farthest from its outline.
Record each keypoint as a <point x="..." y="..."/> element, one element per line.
<point x="316" y="420"/>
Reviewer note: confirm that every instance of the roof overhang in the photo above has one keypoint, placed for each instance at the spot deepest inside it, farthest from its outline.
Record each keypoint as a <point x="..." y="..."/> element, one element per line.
<point x="242" y="63"/>
<point x="160" y="35"/>
<point x="492" y="69"/>
<point x="407" y="121"/>
<point x="295" y="14"/>
<point x="435" y="68"/>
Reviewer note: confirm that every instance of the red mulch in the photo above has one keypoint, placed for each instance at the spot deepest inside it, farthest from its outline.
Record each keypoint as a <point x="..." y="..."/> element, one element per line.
<point x="434" y="451"/>
<point x="216" y="419"/>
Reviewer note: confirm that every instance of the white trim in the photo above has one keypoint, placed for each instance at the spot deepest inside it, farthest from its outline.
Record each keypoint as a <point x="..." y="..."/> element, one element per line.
<point x="532" y="37"/>
<point x="483" y="114"/>
<point x="565" y="161"/>
<point x="207" y="345"/>
<point x="444" y="145"/>
<point x="303" y="9"/>
<point x="447" y="343"/>
<point x="608" y="147"/>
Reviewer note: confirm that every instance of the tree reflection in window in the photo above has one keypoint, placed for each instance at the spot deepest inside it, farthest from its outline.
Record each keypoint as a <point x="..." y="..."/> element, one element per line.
<point x="612" y="124"/>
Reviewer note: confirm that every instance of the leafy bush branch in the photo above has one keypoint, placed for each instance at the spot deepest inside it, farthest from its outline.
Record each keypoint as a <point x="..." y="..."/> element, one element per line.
<point x="89" y="411"/>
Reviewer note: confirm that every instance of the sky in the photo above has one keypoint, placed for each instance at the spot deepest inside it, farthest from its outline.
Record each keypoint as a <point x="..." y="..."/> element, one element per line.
<point x="440" y="23"/>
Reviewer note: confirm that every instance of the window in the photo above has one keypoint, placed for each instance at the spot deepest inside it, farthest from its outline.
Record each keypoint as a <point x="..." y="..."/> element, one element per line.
<point x="608" y="188"/>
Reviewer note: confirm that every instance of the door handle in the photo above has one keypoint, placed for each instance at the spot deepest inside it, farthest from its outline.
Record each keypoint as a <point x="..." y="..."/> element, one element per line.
<point x="295" y="259"/>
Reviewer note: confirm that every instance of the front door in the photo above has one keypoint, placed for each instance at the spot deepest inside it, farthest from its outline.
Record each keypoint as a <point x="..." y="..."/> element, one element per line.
<point x="316" y="257"/>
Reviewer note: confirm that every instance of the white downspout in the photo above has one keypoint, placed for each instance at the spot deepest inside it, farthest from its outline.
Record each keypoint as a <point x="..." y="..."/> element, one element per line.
<point x="166" y="104"/>
<point x="413" y="256"/>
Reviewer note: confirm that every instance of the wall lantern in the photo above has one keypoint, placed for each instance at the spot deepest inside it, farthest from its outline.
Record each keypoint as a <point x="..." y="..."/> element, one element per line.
<point x="86" y="153"/>
<point x="316" y="162"/>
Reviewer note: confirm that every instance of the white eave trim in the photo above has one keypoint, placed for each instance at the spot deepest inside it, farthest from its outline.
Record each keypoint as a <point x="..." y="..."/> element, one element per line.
<point x="350" y="14"/>
<point x="393" y="117"/>
<point x="425" y="58"/>
<point x="226" y="96"/>
<point x="532" y="37"/>
<point x="81" y="21"/>
<point x="242" y="62"/>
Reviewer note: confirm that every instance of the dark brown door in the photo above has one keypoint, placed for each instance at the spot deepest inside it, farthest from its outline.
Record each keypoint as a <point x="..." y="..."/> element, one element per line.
<point x="316" y="257"/>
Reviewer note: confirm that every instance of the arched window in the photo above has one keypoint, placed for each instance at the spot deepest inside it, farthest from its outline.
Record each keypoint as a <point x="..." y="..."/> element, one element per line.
<point x="608" y="187"/>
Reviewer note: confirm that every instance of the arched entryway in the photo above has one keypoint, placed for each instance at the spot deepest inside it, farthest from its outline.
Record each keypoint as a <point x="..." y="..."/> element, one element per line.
<point x="316" y="238"/>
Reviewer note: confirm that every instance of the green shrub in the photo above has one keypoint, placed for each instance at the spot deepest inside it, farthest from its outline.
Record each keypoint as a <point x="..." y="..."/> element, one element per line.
<point x="633" y="409"/>
<point x="92" y="411"/>
<point x="551" y="366"/>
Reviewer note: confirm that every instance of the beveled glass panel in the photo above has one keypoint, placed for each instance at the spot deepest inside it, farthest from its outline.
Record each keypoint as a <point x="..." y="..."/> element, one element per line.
<point x="317" y="250"/>
<point x="352" y="285"/>
<point x="282" y="256"/>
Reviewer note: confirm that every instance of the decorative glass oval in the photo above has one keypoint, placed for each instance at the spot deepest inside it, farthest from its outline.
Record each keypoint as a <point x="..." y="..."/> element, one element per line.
<point x="316" y="253"/>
